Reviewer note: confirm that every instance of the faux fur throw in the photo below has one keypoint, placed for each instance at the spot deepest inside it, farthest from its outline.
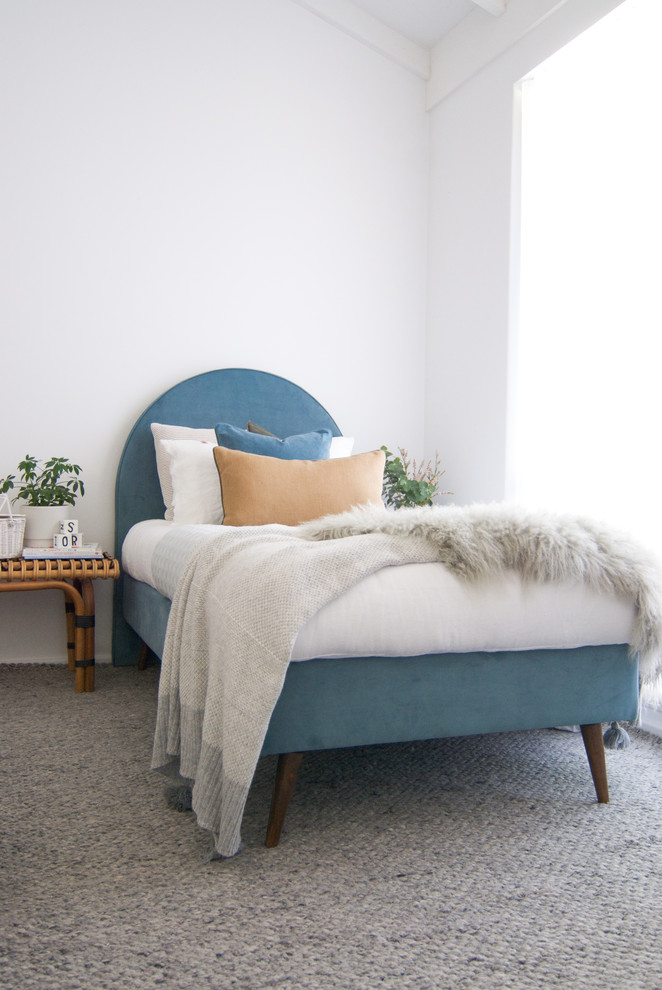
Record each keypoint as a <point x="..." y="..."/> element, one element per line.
<point x="481" y="541"/>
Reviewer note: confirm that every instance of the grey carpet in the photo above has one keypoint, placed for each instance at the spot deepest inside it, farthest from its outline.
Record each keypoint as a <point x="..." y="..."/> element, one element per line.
<point x="481" y="863"/>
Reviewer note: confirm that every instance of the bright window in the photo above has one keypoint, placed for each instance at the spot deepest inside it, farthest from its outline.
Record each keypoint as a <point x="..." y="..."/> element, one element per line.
<point x="588" y="382"/>
<point x="588" y="407"/>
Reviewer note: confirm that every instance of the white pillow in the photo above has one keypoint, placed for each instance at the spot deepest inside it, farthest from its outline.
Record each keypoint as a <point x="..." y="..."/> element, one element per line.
<point x="196" y="490"/>
<point x="160" y="431"/>
<point x="341" y="446"/>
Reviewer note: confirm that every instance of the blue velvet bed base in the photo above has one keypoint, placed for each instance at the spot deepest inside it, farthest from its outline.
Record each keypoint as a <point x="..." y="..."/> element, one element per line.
<point x="327" y="703"/>
<point x="331" y="703"/>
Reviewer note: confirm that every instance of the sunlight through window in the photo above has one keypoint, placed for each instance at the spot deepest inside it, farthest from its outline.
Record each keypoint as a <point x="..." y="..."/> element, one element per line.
<point x="588" y="408"/>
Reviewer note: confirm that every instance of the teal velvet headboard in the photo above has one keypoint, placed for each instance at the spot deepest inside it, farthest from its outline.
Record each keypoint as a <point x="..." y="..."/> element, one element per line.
<point x="231" y="395"/>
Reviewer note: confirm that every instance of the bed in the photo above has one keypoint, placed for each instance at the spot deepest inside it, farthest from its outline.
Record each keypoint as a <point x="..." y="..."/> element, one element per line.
<point x="339" y="699"/>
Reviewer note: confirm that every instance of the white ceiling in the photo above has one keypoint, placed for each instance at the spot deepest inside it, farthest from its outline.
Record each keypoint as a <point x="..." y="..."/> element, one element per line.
<point x="422" y="21"/>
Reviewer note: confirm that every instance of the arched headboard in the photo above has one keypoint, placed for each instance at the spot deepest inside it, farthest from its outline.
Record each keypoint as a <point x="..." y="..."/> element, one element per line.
<point x="230" y="395"/>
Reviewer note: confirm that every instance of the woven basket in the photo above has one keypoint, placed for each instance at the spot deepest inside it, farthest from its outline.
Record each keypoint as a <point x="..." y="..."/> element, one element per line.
<point x="12" y="531"/>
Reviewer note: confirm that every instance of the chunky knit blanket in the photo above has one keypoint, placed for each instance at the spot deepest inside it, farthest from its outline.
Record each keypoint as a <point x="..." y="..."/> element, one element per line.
<point x="244" y="597"/>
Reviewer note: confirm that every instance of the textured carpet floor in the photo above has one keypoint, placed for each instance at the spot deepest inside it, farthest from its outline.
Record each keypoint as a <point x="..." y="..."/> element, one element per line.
<point x="480" y="863"/>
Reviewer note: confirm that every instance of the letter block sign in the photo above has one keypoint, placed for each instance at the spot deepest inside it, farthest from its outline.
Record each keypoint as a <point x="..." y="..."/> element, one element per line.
<point x="68" y="538"/>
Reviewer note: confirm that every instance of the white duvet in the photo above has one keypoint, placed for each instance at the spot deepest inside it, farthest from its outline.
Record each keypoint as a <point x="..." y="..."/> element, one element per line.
<point x="414" y="609"/>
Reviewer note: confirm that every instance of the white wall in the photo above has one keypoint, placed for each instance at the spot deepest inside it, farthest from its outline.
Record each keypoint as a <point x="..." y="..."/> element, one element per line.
<point x="193" y="184"/>
<point x="472" y="313"/>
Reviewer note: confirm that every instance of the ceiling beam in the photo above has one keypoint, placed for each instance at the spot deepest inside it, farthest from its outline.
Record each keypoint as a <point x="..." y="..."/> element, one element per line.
<point x="477" y="40"/>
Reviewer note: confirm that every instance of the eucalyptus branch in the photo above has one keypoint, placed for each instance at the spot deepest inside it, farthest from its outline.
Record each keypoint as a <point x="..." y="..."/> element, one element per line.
<point x="410" y="483"/>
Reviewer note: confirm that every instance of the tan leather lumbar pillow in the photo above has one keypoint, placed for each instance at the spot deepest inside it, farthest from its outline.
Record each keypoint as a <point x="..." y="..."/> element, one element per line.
<point x="258" y="490"/>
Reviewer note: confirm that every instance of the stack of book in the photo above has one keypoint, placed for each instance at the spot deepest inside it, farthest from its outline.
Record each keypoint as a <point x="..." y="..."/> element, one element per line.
<point x="87" y="550"/>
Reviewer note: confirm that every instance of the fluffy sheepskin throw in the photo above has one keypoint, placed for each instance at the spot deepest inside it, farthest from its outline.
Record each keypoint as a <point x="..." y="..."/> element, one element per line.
<point x="481" y="541"/>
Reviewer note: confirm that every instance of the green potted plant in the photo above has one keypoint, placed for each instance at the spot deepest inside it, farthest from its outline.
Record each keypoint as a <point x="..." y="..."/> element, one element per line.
<point x="46" y="487"/>
<point x="407" y="483"/>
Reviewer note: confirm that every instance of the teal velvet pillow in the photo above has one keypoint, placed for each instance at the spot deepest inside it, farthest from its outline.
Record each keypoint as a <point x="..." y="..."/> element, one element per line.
<point x="314" y="446"/>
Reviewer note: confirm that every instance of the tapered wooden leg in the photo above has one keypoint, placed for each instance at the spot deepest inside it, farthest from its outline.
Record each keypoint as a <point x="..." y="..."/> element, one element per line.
<point x="286" y="777"/>
<point x="595" y="750"/>
<point x="144" y="656"/>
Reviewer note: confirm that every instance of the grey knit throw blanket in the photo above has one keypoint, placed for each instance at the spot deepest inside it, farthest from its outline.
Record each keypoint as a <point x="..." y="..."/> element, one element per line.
<point x="244" y="597"/>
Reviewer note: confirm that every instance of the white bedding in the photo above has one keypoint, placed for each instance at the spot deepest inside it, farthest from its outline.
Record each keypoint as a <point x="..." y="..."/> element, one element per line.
<point x="414" y="609"/>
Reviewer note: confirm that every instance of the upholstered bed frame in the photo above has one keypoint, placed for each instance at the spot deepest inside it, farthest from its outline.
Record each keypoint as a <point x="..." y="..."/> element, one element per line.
<point x="329" y="703"/>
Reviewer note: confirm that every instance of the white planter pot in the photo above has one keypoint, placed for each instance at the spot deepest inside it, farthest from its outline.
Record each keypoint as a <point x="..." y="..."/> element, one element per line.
<point x="41" y="521"/>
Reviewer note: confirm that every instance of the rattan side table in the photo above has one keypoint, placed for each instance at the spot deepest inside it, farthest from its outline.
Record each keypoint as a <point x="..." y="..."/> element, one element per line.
<point x="74" y="577"/>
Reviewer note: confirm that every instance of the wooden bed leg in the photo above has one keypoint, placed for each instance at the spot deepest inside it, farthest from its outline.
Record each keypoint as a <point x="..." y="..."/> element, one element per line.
<point x="286" y="778"/>
<point x="595" y="750"/>
<point x="144" y="656"/>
